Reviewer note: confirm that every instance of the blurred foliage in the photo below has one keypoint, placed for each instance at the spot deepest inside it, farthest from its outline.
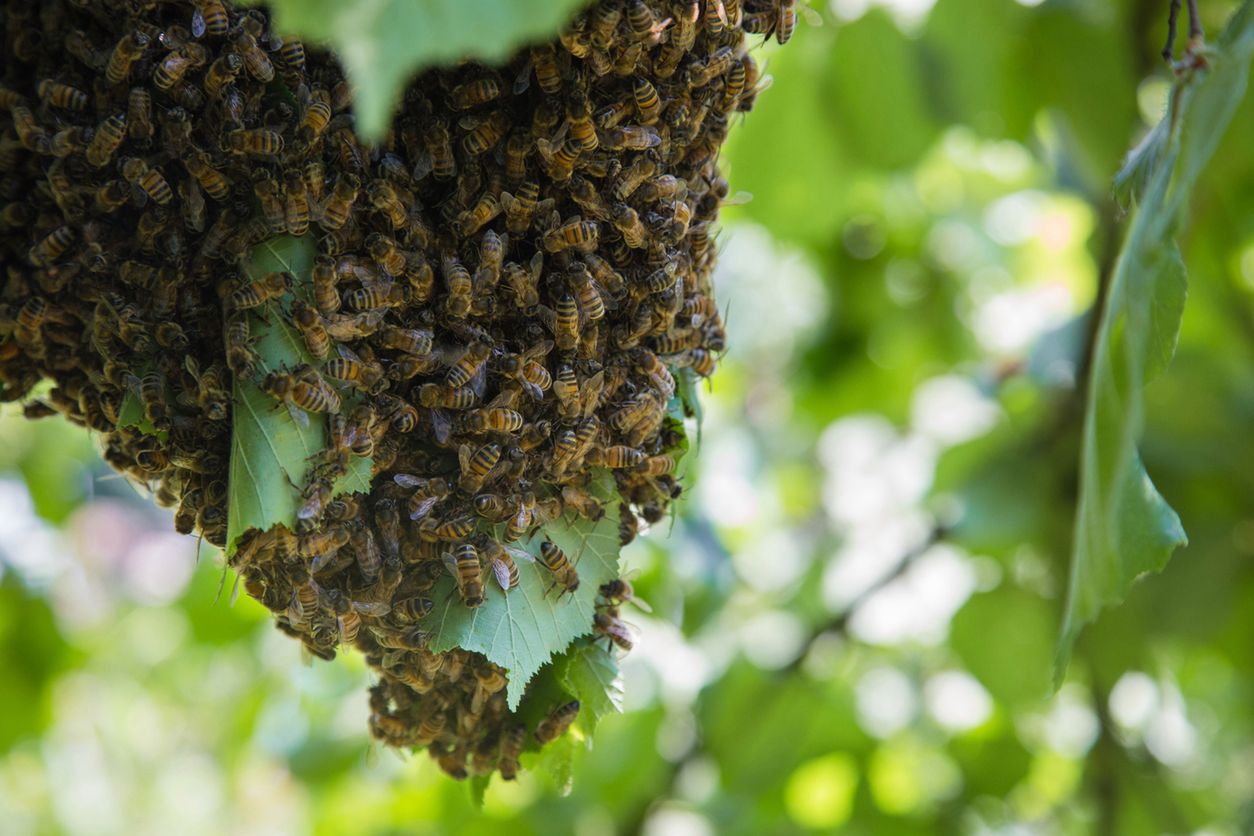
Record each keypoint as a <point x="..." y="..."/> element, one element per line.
<point x="855" y="615"/>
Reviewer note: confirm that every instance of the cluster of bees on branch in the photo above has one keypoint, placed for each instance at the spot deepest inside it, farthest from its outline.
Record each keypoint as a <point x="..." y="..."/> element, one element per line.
<point x="503" y="293"/>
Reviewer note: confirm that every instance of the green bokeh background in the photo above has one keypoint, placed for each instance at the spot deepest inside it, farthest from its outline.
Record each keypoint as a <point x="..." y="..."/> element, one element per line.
<point x="854" y="615"/>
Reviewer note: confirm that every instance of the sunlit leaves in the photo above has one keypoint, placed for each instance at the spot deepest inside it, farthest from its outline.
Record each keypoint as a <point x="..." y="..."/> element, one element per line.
<point x="270" y="452"/>
<point x="1124" y="527"/>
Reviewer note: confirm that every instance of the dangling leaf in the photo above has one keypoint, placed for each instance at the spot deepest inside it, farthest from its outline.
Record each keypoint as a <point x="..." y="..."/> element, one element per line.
<point x="270" y="452"/>
<point x="520" y="630"/>
<point x="1124" y="527"/>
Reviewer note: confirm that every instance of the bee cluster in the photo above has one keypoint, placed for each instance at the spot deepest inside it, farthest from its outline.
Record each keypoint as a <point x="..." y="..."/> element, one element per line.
<point x="503" y="293"/>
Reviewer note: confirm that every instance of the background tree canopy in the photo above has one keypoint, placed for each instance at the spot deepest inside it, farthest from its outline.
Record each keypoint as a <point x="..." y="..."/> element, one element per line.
<point x="856" y="614"/>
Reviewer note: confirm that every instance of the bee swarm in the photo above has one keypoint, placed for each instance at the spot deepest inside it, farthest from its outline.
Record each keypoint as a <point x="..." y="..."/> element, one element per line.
<point x="503" y="291"/>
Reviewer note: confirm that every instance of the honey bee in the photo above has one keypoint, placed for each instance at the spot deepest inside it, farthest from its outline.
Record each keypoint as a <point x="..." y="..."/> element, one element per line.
<point x="785" y="21"/>
<point x="413" y="609"/>
<point x="427" y="494"/>
<point x="498" y="420"/>
<point x="319" y="544"/>
<point x="520" y="207"/>
<point x="270" y="287"/>
<point x="486" y="134"/>
<point x="212" y="16"/>
<point x="615" y="457"/>
<point x="559" y="161"/>
<point x="439" y="147"/>
<point x="30" y="319"/>
<point x="259" y="142"/>
<point x="605" y="622"/>
<point x="272" y="208"/>
<point x="528" y="372"/>
<point x="590" y="301"/>
<point x="340" y="204"/>
<point x="215" y="184"/>
<point x="579" y="119"/>
<point x="292" y="50"/>
<point x="150" y="180"/>
<point x="560" y="718"/>
<point x="491" y="255"/>
<point x="311" y="327"/>
<point x="369" y="558"/>
<point x="548" y="75"/>
<point x="512" y="741"/>
<point x="240" y="357"/>
<point x="383" y="197"/>
<point x="51" y="247"/>
<point x="171" y="69"/>
<point x="648" y="105"/>
<point x="476" y="466"/>
<point x="108" y="136"/>
<point x="351" y="369"/>
<point x="485" y="209"/>
<point x="501" y="561"/>
<point x="475" y="93"/>
<point x="627" y="222"/>
<point x="432" y="395"/>
<point x="521" y="517"/>
<point x="576" y="234"/>
<point x="517" y="149"/>
<point x="127" y="51"/>
<point x="62" y="96"/>
<point x="29" y="132"/>
<point x="464" y="566"/>
<point x="399" y="414"/>
<point x="565" y="322"/>
<point x="296" y="209"/>
<point x="468" y="366"/>
<point x="525" y="283"/>
<point x="409" y="340"/>
<point x="449" y="530"/>
<point x="703" y="70"/>
<point x="301" y="390"/>
<point x="583" y="503"/>
<point x="555" y="560"/>
<point x="256" y="61"/>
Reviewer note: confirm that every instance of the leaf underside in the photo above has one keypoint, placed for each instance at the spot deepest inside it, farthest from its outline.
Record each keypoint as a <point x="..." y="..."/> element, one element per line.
<point x="1124" y="527"/>
<point x="382" y="43"/>
<point x="270" y="452"/>
<point x="520" y="630"/>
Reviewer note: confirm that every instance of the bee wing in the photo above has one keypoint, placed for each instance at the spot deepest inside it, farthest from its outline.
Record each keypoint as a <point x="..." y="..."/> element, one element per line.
<point x="720" y="10"/>
<point x="408" y="480"/>
<point x="533" y="390"/>
<point x="423" y="166"/>
<point x="738" y="199"/>
<point x="519" y="553"/>
<point x="590" y="395"/>
<point x="501" y="572"/>
<point x="450" y="563"/>
<point x="198" y="24"/>
<point x="507" y="398"/>
<point x="540" y="349"/>
<point x="347" y="353"/>
<point x="441" y="424"/>
<point x="378" y="609"/>
<point x="479" y="382"/>
<point x="811" y="14"/>
<point x="323" y="560"/>
<point x="298" y="415"/>
<point x="523" y="80"/>
<point x="423" y="508"/>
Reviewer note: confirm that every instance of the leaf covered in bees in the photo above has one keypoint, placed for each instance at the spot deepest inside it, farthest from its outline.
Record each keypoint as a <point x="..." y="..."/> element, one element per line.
<point x="420" y="390"/>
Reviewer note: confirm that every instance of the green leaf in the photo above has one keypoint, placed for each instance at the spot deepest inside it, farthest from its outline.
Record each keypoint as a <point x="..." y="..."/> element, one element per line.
<point x="1124" y="528"/>
<point x="131" y="413"/>
<point x="478" y="787"/>
<point x="589" y="670"/>
<point x="383" y="43"/>
<point x="521" y="630"/>
<point x="270" y="453"/>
